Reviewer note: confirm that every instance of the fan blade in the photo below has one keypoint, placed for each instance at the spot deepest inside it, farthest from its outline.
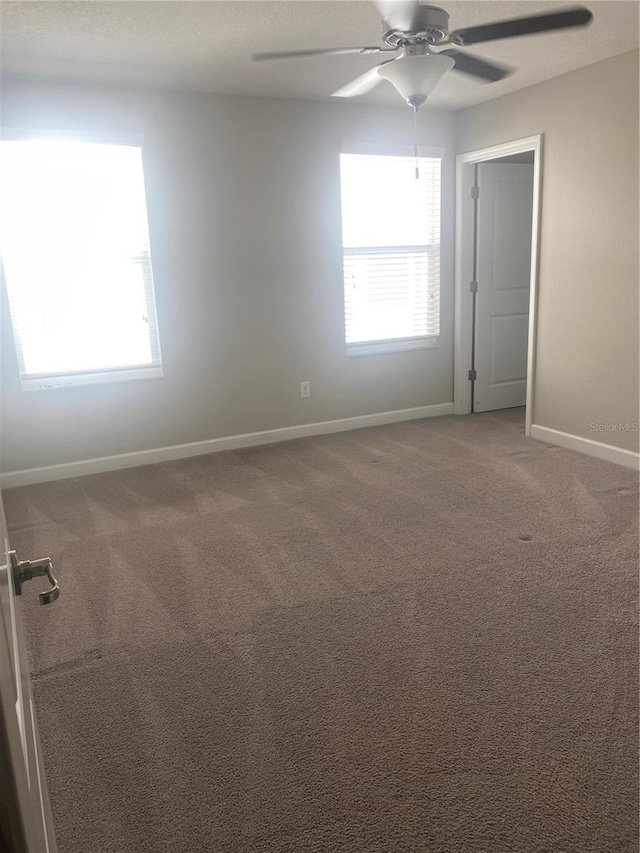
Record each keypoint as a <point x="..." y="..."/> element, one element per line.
<point x="292" y="54"/>
<point x="399" y="14"/>
<point x="577" y="17"/>
<point x="477" y="67"/>
<point x="362" y="84"/>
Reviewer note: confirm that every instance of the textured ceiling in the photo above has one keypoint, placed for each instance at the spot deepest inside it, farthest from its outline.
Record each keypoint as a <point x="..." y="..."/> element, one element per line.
<point x="206" y="46"/>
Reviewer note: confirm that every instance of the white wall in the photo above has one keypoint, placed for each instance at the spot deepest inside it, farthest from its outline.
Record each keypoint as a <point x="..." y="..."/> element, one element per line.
<point x="243" y="197"/>
<point x="587" y="339"/>
<point x="244" y="215"/>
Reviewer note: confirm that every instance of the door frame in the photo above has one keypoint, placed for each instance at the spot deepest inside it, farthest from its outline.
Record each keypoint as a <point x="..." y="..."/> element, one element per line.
<point x="23" y="784"/>
<point x="464" y="243"/>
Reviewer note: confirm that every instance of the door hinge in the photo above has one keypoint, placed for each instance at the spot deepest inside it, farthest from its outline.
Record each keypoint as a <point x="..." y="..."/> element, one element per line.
<point x="472" y="376"/>
<point x="475" y="192"/>
<point x="473" y="286"/>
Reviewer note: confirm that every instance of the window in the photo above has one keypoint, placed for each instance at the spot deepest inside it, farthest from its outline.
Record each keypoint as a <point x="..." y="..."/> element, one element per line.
<point x="391" y="252"/>
<point x="75" y="252"/>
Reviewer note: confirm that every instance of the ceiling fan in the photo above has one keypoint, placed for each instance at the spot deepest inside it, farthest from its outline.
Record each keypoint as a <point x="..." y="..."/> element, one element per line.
<point x="415" y="28"/>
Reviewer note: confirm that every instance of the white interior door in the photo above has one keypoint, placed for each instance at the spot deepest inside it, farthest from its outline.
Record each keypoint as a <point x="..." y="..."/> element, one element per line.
<point x="25" y="816"/>
<point x="504" y="216"/>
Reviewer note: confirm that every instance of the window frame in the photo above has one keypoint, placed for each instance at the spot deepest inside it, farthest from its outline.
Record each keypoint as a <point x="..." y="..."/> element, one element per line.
<point x="389" y="345"/>
<point x="32" y="382"/>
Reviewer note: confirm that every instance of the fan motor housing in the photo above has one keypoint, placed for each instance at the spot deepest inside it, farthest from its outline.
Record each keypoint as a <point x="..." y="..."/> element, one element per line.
<point x="431" y="25"/>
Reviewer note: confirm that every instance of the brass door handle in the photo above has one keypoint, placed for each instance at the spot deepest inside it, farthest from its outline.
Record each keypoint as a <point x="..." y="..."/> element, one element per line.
<point x="25" y="570"/>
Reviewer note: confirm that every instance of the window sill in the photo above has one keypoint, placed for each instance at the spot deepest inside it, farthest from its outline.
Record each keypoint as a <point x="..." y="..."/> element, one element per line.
<point x="383" y="347"/>
<point x="98" y="377"/>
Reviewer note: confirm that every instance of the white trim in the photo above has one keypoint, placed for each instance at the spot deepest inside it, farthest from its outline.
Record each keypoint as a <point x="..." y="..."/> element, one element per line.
<point x="28" y="476"/>
<point x="504" y="149"/>
<point x="463" y="298"/>
<point x="398" y="345"/>
<point x="52" y="381"/>
<point x="391" y="150"/>
<point x="39" y="134"/>
<point x="608" y="452"/>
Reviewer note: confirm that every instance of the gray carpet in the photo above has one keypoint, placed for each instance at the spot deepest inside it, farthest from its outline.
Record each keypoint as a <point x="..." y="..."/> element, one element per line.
<point x="419" y="637"/>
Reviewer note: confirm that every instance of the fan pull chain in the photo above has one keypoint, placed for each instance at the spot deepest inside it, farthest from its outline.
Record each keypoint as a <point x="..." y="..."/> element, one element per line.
<point x="415" y="141"/>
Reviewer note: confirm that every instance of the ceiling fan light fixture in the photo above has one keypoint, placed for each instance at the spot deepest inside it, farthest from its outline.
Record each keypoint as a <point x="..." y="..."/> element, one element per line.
<point x="415" y="77"/>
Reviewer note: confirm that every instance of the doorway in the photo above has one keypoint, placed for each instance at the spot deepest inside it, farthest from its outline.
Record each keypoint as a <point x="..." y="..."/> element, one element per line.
<point x="496" y="271"/>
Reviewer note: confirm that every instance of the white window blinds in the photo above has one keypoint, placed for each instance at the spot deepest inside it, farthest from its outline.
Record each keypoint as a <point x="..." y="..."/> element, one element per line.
<point x="75" y="252"/>
<point x="391" y="250"/>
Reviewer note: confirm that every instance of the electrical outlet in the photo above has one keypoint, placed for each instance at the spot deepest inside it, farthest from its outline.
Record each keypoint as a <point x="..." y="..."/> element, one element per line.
<point x="305" y="389"/>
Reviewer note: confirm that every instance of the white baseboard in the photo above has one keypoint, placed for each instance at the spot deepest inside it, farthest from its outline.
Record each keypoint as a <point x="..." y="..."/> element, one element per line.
<point x="29" y="476"/>
<point x="608" y="452"/>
